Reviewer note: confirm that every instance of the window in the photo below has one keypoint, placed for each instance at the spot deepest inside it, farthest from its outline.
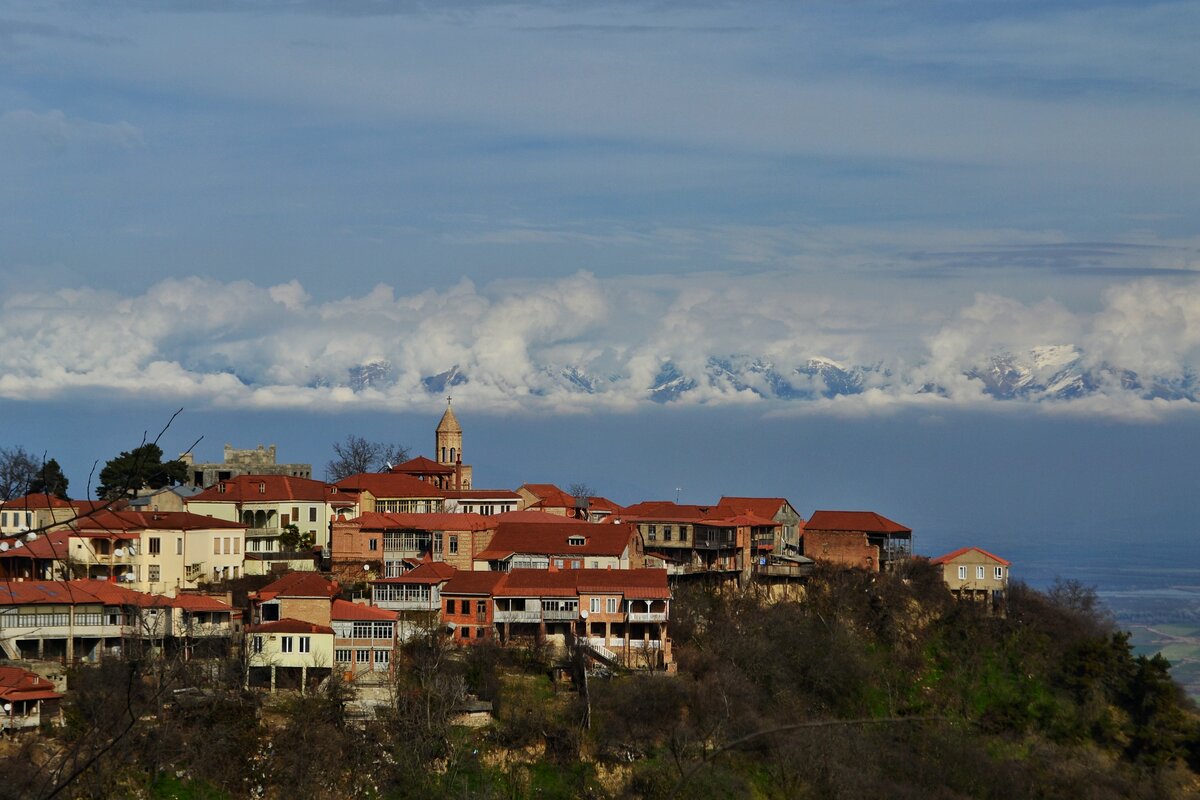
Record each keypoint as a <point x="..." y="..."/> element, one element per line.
<point x="683" y="533"/>
<point x="595" y="565"/>
<point x="228" y="548"/>
<point x="285" y="644"/>
<point x="576" y="541"/>
<point x="383" y="630"/>
<point x="466" y="606"/>
<point x="610" y="605"/>
<point x="667" y="533"/>
<point x="270" y="612"/>
<point x="558" y="562"/>
<point x="363" y="656"/>
<point x="235" y="573"/>
<point x="595" y="605"/>
<point x="449" y="606"/>
<point x="237" y="546"/>
<point x="453" y="543"/>
<point x="374" y="545"/>
<point x="295" y="513"/>
<point x="155" y="545"/>
<point x="262" y="487"/>
<point x="979" y="573"/>
<point x="962" y="573"/>
<point x="576" y="563"/>
<point x="305" y="644"/>
<point x="178" y="545"/>
<point x="341" y="656"/>
<point x="216" y="545"/>
<point x="153" y="576"/>
<point x="999" y="573"/>
<point x="258" y="644"/>
<point x="653" y="535"/>
<point x="382" y="657"/>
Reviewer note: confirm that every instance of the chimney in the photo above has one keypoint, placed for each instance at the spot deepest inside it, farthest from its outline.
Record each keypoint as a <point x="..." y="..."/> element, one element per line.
<point x="458" y="473"/>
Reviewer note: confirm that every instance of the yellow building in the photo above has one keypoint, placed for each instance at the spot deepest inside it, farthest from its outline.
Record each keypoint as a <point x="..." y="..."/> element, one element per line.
<point x="974" y="573"/>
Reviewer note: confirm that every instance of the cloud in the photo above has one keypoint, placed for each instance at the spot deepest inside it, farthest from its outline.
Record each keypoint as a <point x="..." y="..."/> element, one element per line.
<point x="584" y="342"/>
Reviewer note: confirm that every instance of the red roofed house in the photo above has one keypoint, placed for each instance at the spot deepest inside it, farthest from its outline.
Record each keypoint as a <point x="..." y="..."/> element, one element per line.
<point x="415" y="596"/>
<point x="467" y="605"/>
<point x="856" y="539"/>
<point x="974" y="573"/>
<point x="773" y="508"/>
<point x="33" y="512"/>
<point x="364" y="637"/>
<point x="565" y="545"/>
<point x="89" y="619"/>
<point x="267" y="504"/>
<point x="390" y="544"/>
<point x="481" y="501"/>
<point x="26" y="699"/>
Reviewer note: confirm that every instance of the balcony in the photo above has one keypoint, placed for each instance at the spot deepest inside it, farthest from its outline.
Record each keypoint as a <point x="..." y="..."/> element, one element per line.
<point x="264" y="532"/>
<point x="560" y="615"/>
<point x="518" y="616"/>
<point x="646" y="616"/>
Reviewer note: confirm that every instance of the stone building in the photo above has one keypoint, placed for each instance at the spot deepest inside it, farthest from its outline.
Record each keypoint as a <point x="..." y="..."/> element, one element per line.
<point x="259" y="461"/>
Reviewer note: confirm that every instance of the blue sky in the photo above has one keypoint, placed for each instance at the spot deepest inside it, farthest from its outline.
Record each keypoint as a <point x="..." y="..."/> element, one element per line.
<point x="790" y="215"/>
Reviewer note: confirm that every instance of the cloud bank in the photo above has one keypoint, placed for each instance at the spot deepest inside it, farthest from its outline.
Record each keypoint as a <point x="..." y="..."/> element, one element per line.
<point x="582" y="342"/>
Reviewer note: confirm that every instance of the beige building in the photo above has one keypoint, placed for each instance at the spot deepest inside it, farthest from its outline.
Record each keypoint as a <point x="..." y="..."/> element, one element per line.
<point x="974" y="573"/>
<point x="267" y="504"/>
<point x="153" y="552"/>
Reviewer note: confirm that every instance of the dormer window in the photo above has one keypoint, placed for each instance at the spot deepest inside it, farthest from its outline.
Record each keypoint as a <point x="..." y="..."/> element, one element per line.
<point x="576" y="541"/>
<point x="221" y="488"/>
<point x="262" y="487"/>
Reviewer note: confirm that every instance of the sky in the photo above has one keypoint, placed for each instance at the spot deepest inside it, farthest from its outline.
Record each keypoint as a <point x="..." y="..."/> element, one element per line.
<point x="609" y="223"/>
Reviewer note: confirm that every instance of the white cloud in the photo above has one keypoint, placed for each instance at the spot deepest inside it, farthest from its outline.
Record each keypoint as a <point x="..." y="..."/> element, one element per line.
<point x="584" y="342"/>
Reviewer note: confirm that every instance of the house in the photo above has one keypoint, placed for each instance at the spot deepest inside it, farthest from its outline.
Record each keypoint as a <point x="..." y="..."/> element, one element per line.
<point x="302" y="631"/>
<point x="620" y="616"/>
<point x="486" y="502"/>
<point x="390" y="544"/>
<point x="147" y="551"/>
<point x="553" y="500"/>
<point x="393" y="493"/>
<point x="26" y="699"/>
<point x="34" y="512"/>
<point x="168" y="498"/>
<point x="86" y="620"/>
<point x="975" y="574"/>
<point x="415" y="596"/>
<point x="772" y="508"/>
<point x="268" y="504"/>
<point x="467" y="605"/>
<point x="861" y="539"/>
<point x="563" y="545"/>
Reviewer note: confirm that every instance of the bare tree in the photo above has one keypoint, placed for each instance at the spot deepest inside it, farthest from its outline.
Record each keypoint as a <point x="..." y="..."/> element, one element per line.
<point x="581" y="491"/>
<point x="356" y="454"/>
<point x="18" y="470"/>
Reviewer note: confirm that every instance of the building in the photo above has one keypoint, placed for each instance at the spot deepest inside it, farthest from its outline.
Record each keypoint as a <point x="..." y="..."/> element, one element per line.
<point x="773" y="508"/>
<point x="388" y="545"/>
<point x="562" y="545"/>
<point x="364" y="637"/>
<point x="619" y="616"/>
<point x="975" y="574"/>
<point x="861" y="539"/>
<point x="486" y="502"/>
<point x="448" y="448"/>
<point x="34" y="512"/>
<point x="26" y="699"/>
<point x="553" y="500"/>
<point x="393" y="493"/>
<point x="86" y="620"/>
<point x="268" y="504"/>
<point x="259" y="461"/>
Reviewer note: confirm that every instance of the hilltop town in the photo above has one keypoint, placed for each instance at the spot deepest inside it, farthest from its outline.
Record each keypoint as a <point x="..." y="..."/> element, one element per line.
<point x="362" y="591"/>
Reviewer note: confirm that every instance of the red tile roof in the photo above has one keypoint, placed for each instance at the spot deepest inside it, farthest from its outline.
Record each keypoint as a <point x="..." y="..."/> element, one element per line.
<point x="865" y="521"/>
<point x="288" y="625"/>
<point x="430" y="572"/>
<point x="386" y="485"/>
<point x="269" y="489"/>
<point x="17" y="684"/>
<point x="345" y="610"/>
<point x="424" y="522"/>
<point x="738" y="521"/>
<point x="760" y="506"/>
<point x="540" y="490"/>
<point x="632" y="583"/>
<point x="112" y="521"/>
<point x="482" y="494"/>
<point x="942" y="559"/>
<point x="52" y="545"/>
<point x="664" y="511"/>
<point x="200" y="602"/>
<point x="551" y="540"/>
<point x="299" y="584"/>
<point x="473" y="583"/>
<point x="98" y="591"/>
<point x="422" y="466"/>
<point x="536" y="517"/>
<point x="32" y="502"/>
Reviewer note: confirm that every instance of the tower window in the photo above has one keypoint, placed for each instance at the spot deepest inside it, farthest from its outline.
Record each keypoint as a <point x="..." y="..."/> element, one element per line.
<point x="451" y="455"/>
<point x="443" y="454"/>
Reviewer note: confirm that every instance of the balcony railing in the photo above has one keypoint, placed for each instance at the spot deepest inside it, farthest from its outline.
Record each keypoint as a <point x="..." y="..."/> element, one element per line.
<point x="518" y="616"/>
<point x="560" y="615"/>
<point x="647" y="616"/>
<point x="264" y="531"/>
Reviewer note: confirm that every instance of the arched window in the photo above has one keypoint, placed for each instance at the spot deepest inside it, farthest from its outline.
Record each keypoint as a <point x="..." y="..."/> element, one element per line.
<point x="451" y="455"/>
<point x="443" y="455"/>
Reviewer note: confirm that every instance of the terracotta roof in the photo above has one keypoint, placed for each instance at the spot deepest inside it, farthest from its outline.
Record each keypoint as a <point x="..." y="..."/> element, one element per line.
<point x="536" y="517"/>
<point x="385" y="485"/>
<point x="664" y="511"/>
<point x="865" y="521"/>
<point x="430" y="572"/>
<point x="422" y="466"/>
<point x="598" y="503"/>
<point x="97" y="591"/>
<point x="424" y="522"/>
<point x="632" y="583"/>
<point x="551" y="540"/>
<point x="299" y="584"/>
<point x="483" y="494"/>
<point x="739" y="521"/>
<point x="760" y="506"/>
<point x="52" y="545"/>
<point x="344" y="609"/>
<point x="200" y="602"/>
<point x="112" y="521"/>
<point x="17" y="684"/>
<point x="288" y="625"/>
<point x="465" y="582"/>
<point x="32" y="502"/>
<point x="274" y="488"/>
<point x="540" y="490"/>
<point x="964" y="550"/>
